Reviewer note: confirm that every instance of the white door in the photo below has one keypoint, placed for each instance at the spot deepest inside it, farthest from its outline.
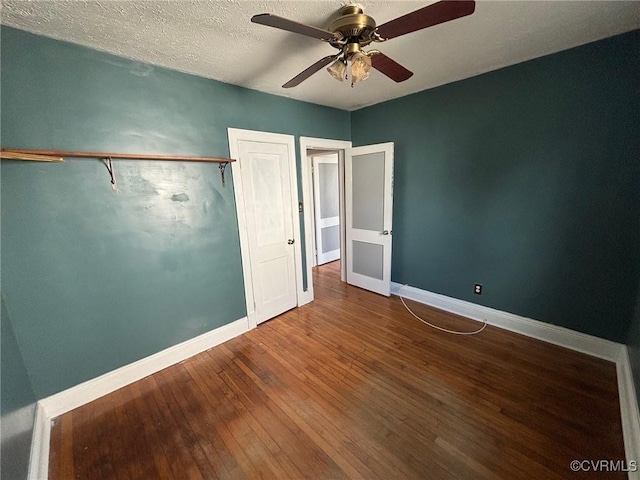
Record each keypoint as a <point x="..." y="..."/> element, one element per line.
<point x="263" y="184"/>
<point x="326" y="207"/>
<point x="369" y="203"/>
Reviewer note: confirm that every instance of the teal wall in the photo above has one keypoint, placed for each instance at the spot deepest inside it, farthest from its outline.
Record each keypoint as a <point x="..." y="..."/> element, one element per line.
<point x="526" y="180"/>
<point x="94" y="279"/>
<point x="17" y="404"/>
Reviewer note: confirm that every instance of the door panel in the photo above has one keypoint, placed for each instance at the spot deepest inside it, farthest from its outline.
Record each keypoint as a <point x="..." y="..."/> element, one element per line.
<point x="331" y="239"/>
<point x="326" y="207"/>
<point x="368" y="259"/>
<point x="265" y="176"/>
<point x="269" y="217"/>
<point x="369" y="204"/>
<point x="368" y="191"/>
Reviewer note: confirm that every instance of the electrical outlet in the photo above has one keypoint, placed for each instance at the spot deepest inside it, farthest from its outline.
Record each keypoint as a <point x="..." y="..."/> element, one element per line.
<point x="477" y="289"/>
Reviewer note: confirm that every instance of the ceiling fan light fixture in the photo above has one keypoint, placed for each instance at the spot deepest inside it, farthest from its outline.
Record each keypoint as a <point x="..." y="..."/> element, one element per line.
<point x="360" y="67"/>
<point x="338" y="70"/>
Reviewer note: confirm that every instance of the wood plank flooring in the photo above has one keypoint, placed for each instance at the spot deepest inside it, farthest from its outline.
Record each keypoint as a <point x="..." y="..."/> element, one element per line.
<point x="352" y="386"/>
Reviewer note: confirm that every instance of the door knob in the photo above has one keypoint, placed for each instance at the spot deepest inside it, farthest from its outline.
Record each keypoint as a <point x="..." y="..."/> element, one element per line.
<point x="385" y="232"/>
<point x="290" y="241"/>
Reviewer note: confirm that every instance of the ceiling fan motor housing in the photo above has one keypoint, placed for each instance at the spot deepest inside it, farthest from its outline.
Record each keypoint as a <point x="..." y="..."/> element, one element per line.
<point x="353" y="26"/>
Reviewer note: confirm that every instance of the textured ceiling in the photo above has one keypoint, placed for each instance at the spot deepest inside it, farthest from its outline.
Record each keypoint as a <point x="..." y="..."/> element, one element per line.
<point x="215" y="39"/>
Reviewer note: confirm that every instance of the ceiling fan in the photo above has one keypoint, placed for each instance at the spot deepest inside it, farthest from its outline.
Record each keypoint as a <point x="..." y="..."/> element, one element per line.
<point x="353" y="29"/>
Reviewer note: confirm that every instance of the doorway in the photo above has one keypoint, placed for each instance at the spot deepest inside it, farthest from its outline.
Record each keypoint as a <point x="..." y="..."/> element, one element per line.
<point x="365" y="211"/>
<point x="309" y="148"/>
<point x="325" y="207"/>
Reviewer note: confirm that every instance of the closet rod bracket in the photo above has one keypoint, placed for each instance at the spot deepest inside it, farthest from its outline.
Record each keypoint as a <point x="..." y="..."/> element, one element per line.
<point x="222" y="167"/>
<point x="107" y="163"/>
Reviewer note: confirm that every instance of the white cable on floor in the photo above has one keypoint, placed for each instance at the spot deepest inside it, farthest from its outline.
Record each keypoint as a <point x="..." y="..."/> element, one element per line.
<point x="435" y="326"/>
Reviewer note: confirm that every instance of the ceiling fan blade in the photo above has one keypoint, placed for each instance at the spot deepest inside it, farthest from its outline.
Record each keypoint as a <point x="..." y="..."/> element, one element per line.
<point x="290" y="26"/>
<point x="390" y="68"/>
<point x="302" y="76"/>
<point x="427" y="17"/>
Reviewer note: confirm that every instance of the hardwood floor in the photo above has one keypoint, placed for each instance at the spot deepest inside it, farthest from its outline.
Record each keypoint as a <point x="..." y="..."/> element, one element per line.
<point x="352" y="386"/>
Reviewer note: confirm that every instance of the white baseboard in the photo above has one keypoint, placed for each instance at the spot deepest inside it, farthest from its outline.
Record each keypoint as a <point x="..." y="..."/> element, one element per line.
<point x="65" y="401"/>
<point x="90" y="390"/>
<point x="581" y="342"/>
<point x="39" y="458"/>
<point x="629" y="411"/>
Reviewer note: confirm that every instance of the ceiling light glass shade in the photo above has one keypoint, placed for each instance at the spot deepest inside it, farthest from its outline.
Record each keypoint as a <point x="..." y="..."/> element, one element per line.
<point x="360" y="67"/>
<point x="338" y="70"/>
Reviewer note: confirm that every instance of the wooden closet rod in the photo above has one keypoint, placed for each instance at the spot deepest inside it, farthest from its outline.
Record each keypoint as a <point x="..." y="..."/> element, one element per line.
<point x="49" y="155"/>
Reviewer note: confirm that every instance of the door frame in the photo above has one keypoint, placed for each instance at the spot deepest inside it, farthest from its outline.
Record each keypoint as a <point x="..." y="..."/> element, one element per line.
<point x="236" y="135"/>
<point x="311" y="143"/>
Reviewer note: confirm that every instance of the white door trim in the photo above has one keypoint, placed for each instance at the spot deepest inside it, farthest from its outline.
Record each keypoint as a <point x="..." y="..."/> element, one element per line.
<point x="307" y="192"/>
<point x="236" y="135"/>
